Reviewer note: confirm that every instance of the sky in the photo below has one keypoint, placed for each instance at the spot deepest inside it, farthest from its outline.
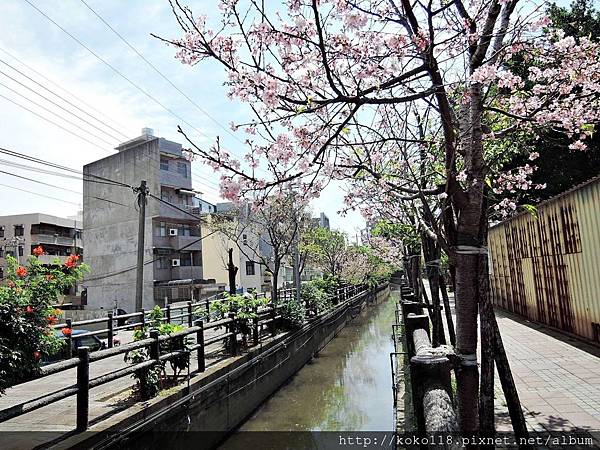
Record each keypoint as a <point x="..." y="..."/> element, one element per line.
<point x="68" y="69"/>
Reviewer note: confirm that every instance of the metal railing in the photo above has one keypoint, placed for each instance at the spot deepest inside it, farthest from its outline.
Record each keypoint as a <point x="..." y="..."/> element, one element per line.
<point x="266" y="317"/>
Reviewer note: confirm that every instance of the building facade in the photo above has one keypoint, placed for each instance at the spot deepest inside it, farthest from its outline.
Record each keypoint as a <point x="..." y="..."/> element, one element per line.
<point x="21" y="233"/>
<point x="248" y="248"/>
<point x="172" y="240"/>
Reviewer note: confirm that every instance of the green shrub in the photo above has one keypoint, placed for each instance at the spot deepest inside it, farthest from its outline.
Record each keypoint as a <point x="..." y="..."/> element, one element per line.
<point x="315" y="298"/>
<point x="27" y="314"/>
<point x="293" y="314"/>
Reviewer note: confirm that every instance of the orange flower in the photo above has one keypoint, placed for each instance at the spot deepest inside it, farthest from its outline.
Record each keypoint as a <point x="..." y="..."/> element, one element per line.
<point x="21" y="271"/>
<point x="49" y="277"/>
<point x="51" y="320"/>
<point x="67" y="331"/>
<point x="71" y="261"/>
<point x="38" y="251"/>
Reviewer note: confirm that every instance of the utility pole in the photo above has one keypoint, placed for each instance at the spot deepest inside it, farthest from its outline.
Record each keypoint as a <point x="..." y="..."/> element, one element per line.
<point x="142" y="192"/>
<point x="232" y="273"/>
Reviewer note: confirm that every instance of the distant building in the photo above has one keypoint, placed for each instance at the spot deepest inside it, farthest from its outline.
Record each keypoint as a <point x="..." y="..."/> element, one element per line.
<point x="172" y="243"/>
<point x="21" y="233"/>
<point x="321" y="221"/>
<point x="246" y="247"/>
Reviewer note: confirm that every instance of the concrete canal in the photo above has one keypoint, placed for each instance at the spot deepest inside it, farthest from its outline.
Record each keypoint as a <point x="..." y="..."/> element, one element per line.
<point x="347" y="387"/>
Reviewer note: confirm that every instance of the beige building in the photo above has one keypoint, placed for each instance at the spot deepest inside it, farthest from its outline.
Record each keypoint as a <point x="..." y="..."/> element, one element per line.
<point x="248" y="249"/>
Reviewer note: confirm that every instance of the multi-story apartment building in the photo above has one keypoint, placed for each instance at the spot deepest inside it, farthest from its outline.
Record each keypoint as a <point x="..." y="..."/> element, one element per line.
<point x="172" y="240"/>
<point x="321" y="221"/>
<point x="21" y="233"/>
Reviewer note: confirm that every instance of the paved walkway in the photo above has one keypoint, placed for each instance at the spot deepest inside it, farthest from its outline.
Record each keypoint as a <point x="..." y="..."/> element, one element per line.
<point x="558" y="378"/>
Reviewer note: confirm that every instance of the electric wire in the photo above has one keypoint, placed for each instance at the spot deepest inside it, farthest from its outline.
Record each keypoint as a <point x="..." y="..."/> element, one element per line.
<point x="56" y="85"/>
<point x="40" y="182"/>
<point x="129" y="269"/>
<point x="41" y="195"/>
<point x="163" y="76"/>
<point x="52" y="112"/>
<point x="114" y="69"/>
<point x="54" y="123"/>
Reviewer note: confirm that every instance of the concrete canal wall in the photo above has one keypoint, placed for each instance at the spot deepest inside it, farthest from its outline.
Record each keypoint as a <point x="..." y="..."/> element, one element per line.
<point x="220" y="399"/>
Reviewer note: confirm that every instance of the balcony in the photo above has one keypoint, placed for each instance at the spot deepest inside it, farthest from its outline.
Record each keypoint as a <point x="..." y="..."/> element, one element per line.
<point x="189" y="243"/>
<point x="188" y="213"/>
<point x="55" y="240"/>
<point x="178" y="273"/>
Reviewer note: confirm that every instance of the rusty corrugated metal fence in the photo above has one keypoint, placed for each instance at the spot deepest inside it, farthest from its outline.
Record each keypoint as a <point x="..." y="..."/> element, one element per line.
<point x="547" y="268"/>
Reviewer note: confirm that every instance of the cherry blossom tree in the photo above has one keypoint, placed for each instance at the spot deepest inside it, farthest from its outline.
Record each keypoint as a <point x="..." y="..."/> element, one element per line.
<point x="371" y="89"/>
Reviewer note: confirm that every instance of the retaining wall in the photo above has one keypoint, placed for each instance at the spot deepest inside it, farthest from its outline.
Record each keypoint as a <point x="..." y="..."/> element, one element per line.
<point x="220" y="399"/>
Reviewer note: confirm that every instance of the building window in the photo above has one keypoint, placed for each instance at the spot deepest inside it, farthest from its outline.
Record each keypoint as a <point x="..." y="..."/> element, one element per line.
<point x="19" y="230"/>
<point x="185" y="259"/>
<point x="160" y="229"/>
<point x="77" y="234"/>
<point x="245" y="239"/>
<point x="2" y="231"/>
<point x="165" y="195"/>
<point x="1" y="273"/>
<point x="182" y="168"/>
<point x="1" y="252"/>
<point x="163" y="262"/>
<point x="20" y="250"/>
<point x="250" y="268"/>
<point x="164" y="164"/>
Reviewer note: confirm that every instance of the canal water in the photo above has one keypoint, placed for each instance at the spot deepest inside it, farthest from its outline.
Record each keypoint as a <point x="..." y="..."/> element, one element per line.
<point x="348" y="387"/>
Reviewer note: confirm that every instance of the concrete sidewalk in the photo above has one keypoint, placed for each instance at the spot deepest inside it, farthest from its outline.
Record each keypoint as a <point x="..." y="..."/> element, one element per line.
<point x="558" y="377"/>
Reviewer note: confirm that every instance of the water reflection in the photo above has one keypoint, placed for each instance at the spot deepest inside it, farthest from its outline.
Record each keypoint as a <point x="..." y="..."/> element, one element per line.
<point x="348" y="387"/>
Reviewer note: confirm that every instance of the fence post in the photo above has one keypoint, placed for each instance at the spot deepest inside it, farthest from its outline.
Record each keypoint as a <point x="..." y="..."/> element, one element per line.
<point x="143" y="319"/>
<point x="431" y="386"/>
<point x="111" y="331"/>
<point x="168" y="308"/>
<point x="272" y="322"/>
<point x="233" y="338"/>
<point x="189" y="311"/>
<point x="69" y="323"/>
<point x="255" y="326"/>
<point x="207" y="310"/>
<point x="200" y="342"/>
<point x="83" y="388"/>
<point x="154" y="350"/>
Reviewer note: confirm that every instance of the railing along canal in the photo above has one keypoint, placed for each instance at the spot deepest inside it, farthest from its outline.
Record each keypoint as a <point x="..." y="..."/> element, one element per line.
<point x="267" y="316"/>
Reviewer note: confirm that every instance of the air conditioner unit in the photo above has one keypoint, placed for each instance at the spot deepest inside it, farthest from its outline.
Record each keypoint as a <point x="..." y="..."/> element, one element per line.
<point x="172" y="231"/>
<point x="175" y="263"/>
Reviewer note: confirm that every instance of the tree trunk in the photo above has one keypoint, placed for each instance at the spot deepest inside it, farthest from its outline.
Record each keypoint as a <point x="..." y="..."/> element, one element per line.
<point x="467" y="377"/>
<point x="486" y="389"/>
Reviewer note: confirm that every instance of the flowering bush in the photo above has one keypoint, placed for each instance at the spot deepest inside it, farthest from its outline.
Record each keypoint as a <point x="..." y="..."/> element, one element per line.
<point x="27" y="314"/>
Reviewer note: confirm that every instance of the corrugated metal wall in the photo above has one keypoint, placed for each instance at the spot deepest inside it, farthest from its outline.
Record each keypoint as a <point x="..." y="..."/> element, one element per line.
<point x="547" y="269"/>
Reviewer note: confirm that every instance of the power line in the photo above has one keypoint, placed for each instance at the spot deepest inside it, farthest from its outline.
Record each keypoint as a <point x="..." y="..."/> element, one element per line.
<point x="61" y="167"/>
<point x="163" y="76"/>
<point x="83" y="102"/>
<point x="53" y="123"/>
<point x="41" y="195"/>
<point x="40" y="182"/>
<point x="174" y="206"/>
<point x="60" y="97"/>
<point x="129" y="269"/>
<point x="114" y="69"/>
<point x="52" y="112"/>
